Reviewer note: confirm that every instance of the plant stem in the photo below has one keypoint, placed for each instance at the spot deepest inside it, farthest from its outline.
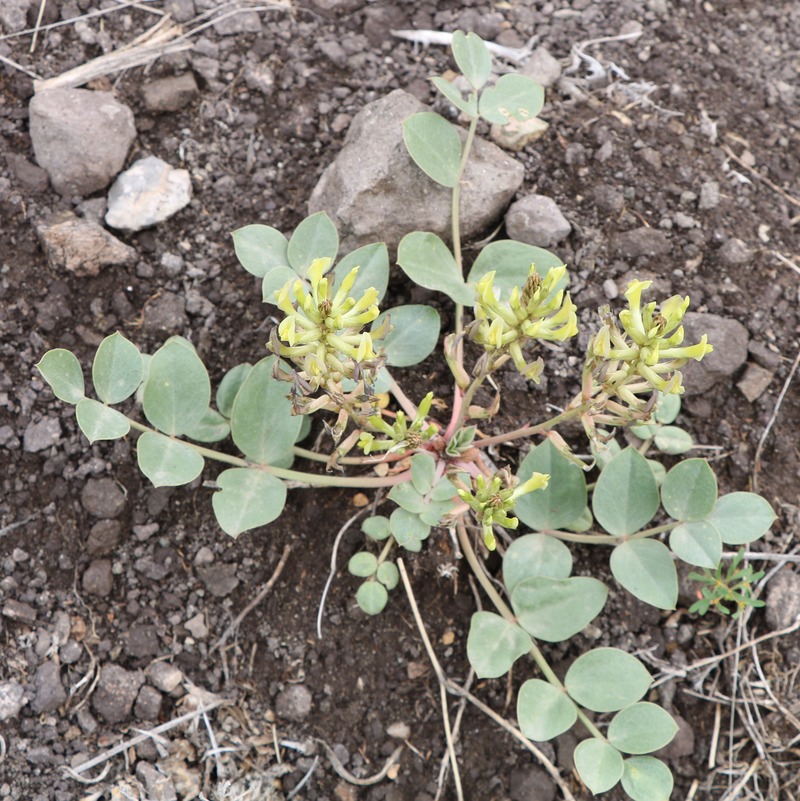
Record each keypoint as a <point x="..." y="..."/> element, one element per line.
<point x="503" y="609"/>
<point x="529" y="431"/>
<point x="362" y="461"/>
<point x="610" y="539"/>
<point x="461" y="407"/>
<point x="409" y="407"/>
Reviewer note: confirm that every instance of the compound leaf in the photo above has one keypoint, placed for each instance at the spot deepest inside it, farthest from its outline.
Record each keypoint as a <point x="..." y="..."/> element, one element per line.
<point x="62" y="371"/>
<point x="434" y="145"/>
<point x="599" y="764"/>
<point x="117" y="369"/>
<point x="414" y="334"/>
<point x="511" y="261"/>
<point x="494" y="644"/>
<point x="607" y="679"/>
<point x="259" y="248"/>
<point x="626" y="495"/>
<point x="641" y="728"/>
<point x="167" y="462"/>
<point x="645" y="568"/>
<point x="373" y="269"/>
<point x="513" y="97"/>
<point x="247" y="498"/>
<point x="646" y="778"/>
<point x="562" y="500"/>
<point x="372" y="597"/>
<point x="697" y="543"/>
<point x="472" y="57"/>
<point x="742" y="517"/>
<point x="428" y="262"/>
<point x="315" y="238"/>
<point x="98" y="421"/>
<point x="544" y="711"/>
<point x="535" y="555"/>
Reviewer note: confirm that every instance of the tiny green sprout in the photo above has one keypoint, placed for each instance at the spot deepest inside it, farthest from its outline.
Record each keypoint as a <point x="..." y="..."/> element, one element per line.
<point x="728" y="588"/>
<point x="400" y="435"/>
<point x="492" y="500"/>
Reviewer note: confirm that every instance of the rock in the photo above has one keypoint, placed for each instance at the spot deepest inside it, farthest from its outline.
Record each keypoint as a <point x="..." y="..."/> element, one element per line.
<point x="167" y="313"/>
<point x="294" y="703"/>
<point x="170" y="94"/>
<point x="373" y="191"/>
<point x="196" y="626"/>
<point x="12" y="699"/>
<point x="709" y="196"/>
<point x="116" y="692"/>
<point x="27" y="174"/>
<point x="334" y="52"/>
<point x="608" y="199"/>
<point x="681" y="745"/>
<point x="754" y="382"/>
<point x="49" y="692"/>
<point x="518" y="135"/>
<point x="204" y="557"/>
<point x="104" y="537"/>
<point x="180" y="10"/>
<point x="82" y="247"/>
<point x="41" y="435"/>
<point x="530" y="783"/>
<point x="159" y="787"/>
<point x="735" y="253"/>
<point x="81" y="138"/>
<point x="19" y="612"/>
<point x="164" y="676"/>
<point x="729" y="338"/>
<point x="220" y="580"/>
<point x="142" y="641"/>
<point x="259" y="78"/>
<point x="98" y="578"/>
<point x="783" y="599"/>
<point x="146" y="194"/>
<point x="242" y="22"/>
<point x="148" y="703"/>
<point x="542" y="67"/>
<point x="640" y="242"/>
<point x="14" y="15"/>
<point x="70" y="652"/>
<point x="537" y="220"/>
<point x="102" y="497"/>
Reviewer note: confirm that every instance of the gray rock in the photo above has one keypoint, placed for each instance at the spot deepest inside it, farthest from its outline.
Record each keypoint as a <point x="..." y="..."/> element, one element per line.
<point x="116" y="692"/>
<point x="537" y="220"/>
<point x="640" y="242"/>
<point x="294" y="703"/>
<point x="49" y="691"/>
<point x="754" y="382"/>
<point x="735" y="253"/>
<point x="196" y="626"/>
<point x="159" y="787"/>
<point x="104" y="537"/>
<point x="19" y="612"/>
<point x="709" y="196"/>
<point x="245" y="22"/>
<point x="14" y="15"/>
<point x="12" y="699"/>
<point x="729" y="338"/>
<point x="783" y="599"/>
<point x="180" y="10"/>
<point x="27" y="174"/>
<point x="41" y="435"/>
<point x="98" y="578"/>
<point x="542" y="67"/>
<point x="142" y="641"/>
<point x="70" y="652"/>
<point x="80" y="138"/>
<point x="82" y="247"/>
<point x="373" y="191"/>
<point x="259" y="78"/>
<point x="530" y="783"/>
<point x="334" y="52"/>
<point x="206" y="67"/>
<point x="608" y="199"/>
<point x="164" y="676"/>
<point x="220" y="580"/>
<point x="102" y="497"/>
<point x="170" y="94"/>
<point x="167" y="313"/>
<point x="148" y="703"/>
<point x="146" y="194"/>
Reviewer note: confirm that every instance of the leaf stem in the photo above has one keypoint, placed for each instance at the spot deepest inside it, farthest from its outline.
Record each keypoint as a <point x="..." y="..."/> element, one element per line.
<point x="529" y="431"/>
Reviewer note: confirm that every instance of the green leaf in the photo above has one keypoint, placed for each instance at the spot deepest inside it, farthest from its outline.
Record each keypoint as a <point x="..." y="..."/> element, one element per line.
<point x="211" y="427"/>
<point x="562" y="500"/>
<point x="468" y="105"/>
<point x="658" y="470"/>
<point x="423" y="472"/>
<point x="598" y="764"/>
<point x="117" y="369"/>
<point x="583" y="522"/>
<point x="62" y="371"/>
<point x="472" y="57"/>
<point x="741" y="517"/>
<point x="443" y="490"/>
<point x="434" y="145"/>
<point x="167" y="462"/>
<point x="376" y="527"/>
<point x="494" y="644"/>
<point x="673" y="440"/>
<point x="646" y="778"/>
<point x="513" y="97"/>
<point x="274" y="281"/>
<point x="697" y="543"/>
<point x="372" y="597"/>
<point x="363" y="564"/>
<point x="428" y="262"/>
<point x="176" y="392"/>
<point x="667" y="408"/>
<point x="373" y="269"/>
<point x="689" y="491"/>
<point x="535" y="555"/>
<point x="434" y="511"/>
<point x="511" y="260"/>
<point x="414" y="334"/>
<point x="262" y="424"/>
<point x="98" y="421"/>
<point x="607" y="679"/>
<point x="315" y="238"/>
<point x="408" y="529"/>
<point x="626" y="495"/>
<point x="305" y="428"/>
<point x="388" y="575"/>
<point x="645" y="568"/>
<point x="544" y="711"/>
<point x="645" y="431"/>
<point x="248" y="498"/>
<point x="229" y="386"/>
<point x="259" y="248"/>
<point x="556" y="609"/>
<point x="406" y="496"/>
<point x="605" y="453"/>
<point x="641" y="728"/>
